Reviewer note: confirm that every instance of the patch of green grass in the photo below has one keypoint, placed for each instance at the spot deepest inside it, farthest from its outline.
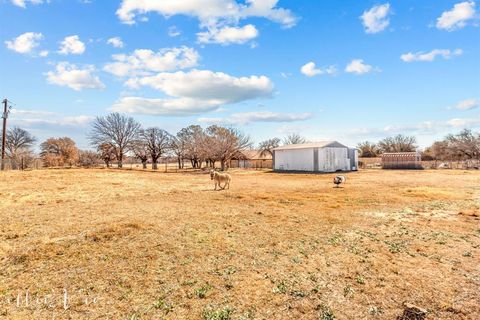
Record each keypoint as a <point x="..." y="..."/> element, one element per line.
<point x="325" y="312"/>
<point x="394" y="247"/>
<point x="348" y="291"/>
<point x="219" y="314"/>
<point x="189" y="282"/>
<point x="281" y="287"/>
<point x="202" y="291"/>
<point x="298" y="294"/>
<point x="375" y="311"/>
<point x="360" y="279"/>
<point x="230" y="270"/>
<point x="335" y="239"/>
<point x="161" y="304"/>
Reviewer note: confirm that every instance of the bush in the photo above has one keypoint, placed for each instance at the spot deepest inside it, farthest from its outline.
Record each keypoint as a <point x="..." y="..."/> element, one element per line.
<point x="88" y="159"/>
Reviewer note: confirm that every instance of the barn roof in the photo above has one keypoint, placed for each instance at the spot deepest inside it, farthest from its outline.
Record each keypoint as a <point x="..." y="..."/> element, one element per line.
<point x="400" y="154"/>
<point x="319" y="144"/>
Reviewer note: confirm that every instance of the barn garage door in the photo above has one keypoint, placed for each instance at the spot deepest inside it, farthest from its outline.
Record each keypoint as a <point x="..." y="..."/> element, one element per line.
<point x="333" y="159"/>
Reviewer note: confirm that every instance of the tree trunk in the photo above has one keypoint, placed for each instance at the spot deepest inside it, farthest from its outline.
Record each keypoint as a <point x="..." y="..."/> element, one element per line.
<point x="222" y="163"/>
<point x="154" y="165"/>
<point x="120" y="160"/>
<point x="144" y="164"/>
<point x="179" y="163"/>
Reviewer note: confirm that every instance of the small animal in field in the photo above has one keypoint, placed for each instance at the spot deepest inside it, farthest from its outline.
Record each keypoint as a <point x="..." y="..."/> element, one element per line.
<point x="338" y="180"/>
<point x="219" y="178"/>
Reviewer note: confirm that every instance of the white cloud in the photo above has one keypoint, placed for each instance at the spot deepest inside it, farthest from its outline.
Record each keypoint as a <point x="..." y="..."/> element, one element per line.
<point x="310" y="70"/>
<point x="429" y="127"/>
<point x="40" y="118"/>
<point x="144" y="62"/>
<point x="193" y="92"/>
<point x="173" y="31"/>
<point x="116" y="42"/>
<point x="43" y="53"/>
<point x="457" y="17"/>
<point x="376" y="19"/>
<point x="207" y="85"/>
<point x="210" y="12"/>
<point x="228" y="35"/>
<point x="75" y="121"/>
<point x="69" y="75"/>
<point x="258" y="116"/>
<point x="468" y="104"/>
<point x="430" y="56"/>
<point x="23" y="3"/>
<point x="31" y="113"/>
<point x="72" y="45"/>
<point x="164" y="107"/>
<point x="24" y="43"/>
<point x="357" y="66"/>
<point x="464" y="123"/>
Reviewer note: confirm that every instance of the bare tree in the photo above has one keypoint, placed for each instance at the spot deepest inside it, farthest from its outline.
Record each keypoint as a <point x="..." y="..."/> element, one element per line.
<point x="140" y="150"/>
<point x="368" y="149"/>
<point x="294" y="138"/>
<point x="178" y="147"/>
<point x="193" y="137"/>
<point x="158" y="142"/>
<point x="267" y="146"/>
<point x="59" y="152"/>
<point x="107" y="153"/>
<point x="398" y="143"/>
<point x="116" y="130"/>
<point x="464" y="145"/>
<point x="224" y="143"/>
<point x="18" y="147"/>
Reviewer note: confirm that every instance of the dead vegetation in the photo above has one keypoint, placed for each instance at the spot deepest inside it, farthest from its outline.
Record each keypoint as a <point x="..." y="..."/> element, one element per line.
<point x="143" y="245"/>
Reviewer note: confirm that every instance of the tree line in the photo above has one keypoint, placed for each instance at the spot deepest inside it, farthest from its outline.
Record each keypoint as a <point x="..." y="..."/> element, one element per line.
<point x="116" y="136"/>
<point x="464" y="145"/>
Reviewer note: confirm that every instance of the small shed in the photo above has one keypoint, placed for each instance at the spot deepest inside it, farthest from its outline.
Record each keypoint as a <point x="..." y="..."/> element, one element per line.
<point x="251" y="159"/>
<point x="402" y="160"/>
<point x="324" y="156"/>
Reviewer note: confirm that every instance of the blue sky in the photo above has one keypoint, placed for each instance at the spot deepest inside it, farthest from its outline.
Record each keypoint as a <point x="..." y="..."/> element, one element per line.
<point x="344" y="70"/>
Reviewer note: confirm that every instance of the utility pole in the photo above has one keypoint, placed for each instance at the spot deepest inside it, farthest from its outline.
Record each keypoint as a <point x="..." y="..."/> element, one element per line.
<point x="4" y="132"/>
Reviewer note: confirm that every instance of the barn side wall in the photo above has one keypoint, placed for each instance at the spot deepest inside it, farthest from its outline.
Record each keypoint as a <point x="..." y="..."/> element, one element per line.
<point x="294" y="160"/>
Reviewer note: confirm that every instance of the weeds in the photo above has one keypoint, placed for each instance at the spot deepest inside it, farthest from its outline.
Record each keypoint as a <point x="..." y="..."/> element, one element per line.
<point x="325" y="312"/>
<point x="220" y="314"/>
<point x="161" y="304"/>
<point x="202" y="291"/>
<point x="281" y="287"/>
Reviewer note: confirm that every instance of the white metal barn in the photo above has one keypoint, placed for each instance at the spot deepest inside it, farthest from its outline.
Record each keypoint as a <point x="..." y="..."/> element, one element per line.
<point x="326" y="156"/>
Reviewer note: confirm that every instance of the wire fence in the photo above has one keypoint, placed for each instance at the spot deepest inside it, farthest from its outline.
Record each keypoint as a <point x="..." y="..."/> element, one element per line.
<point x="471" y="164"/>
<point x="173" y="166"/>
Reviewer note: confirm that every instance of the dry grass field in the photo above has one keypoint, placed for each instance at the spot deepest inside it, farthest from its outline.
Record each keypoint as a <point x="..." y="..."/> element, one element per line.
<point x="146" y="245"/>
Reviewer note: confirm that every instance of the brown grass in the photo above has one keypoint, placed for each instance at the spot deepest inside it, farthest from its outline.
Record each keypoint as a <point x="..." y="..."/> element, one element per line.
<point x="144" y="245"/>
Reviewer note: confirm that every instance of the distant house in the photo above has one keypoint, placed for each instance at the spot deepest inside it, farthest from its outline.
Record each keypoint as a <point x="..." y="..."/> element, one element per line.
<point x="402" y="160"/>
<point x="251" y="159"/>
<point x="325" y="156"/>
